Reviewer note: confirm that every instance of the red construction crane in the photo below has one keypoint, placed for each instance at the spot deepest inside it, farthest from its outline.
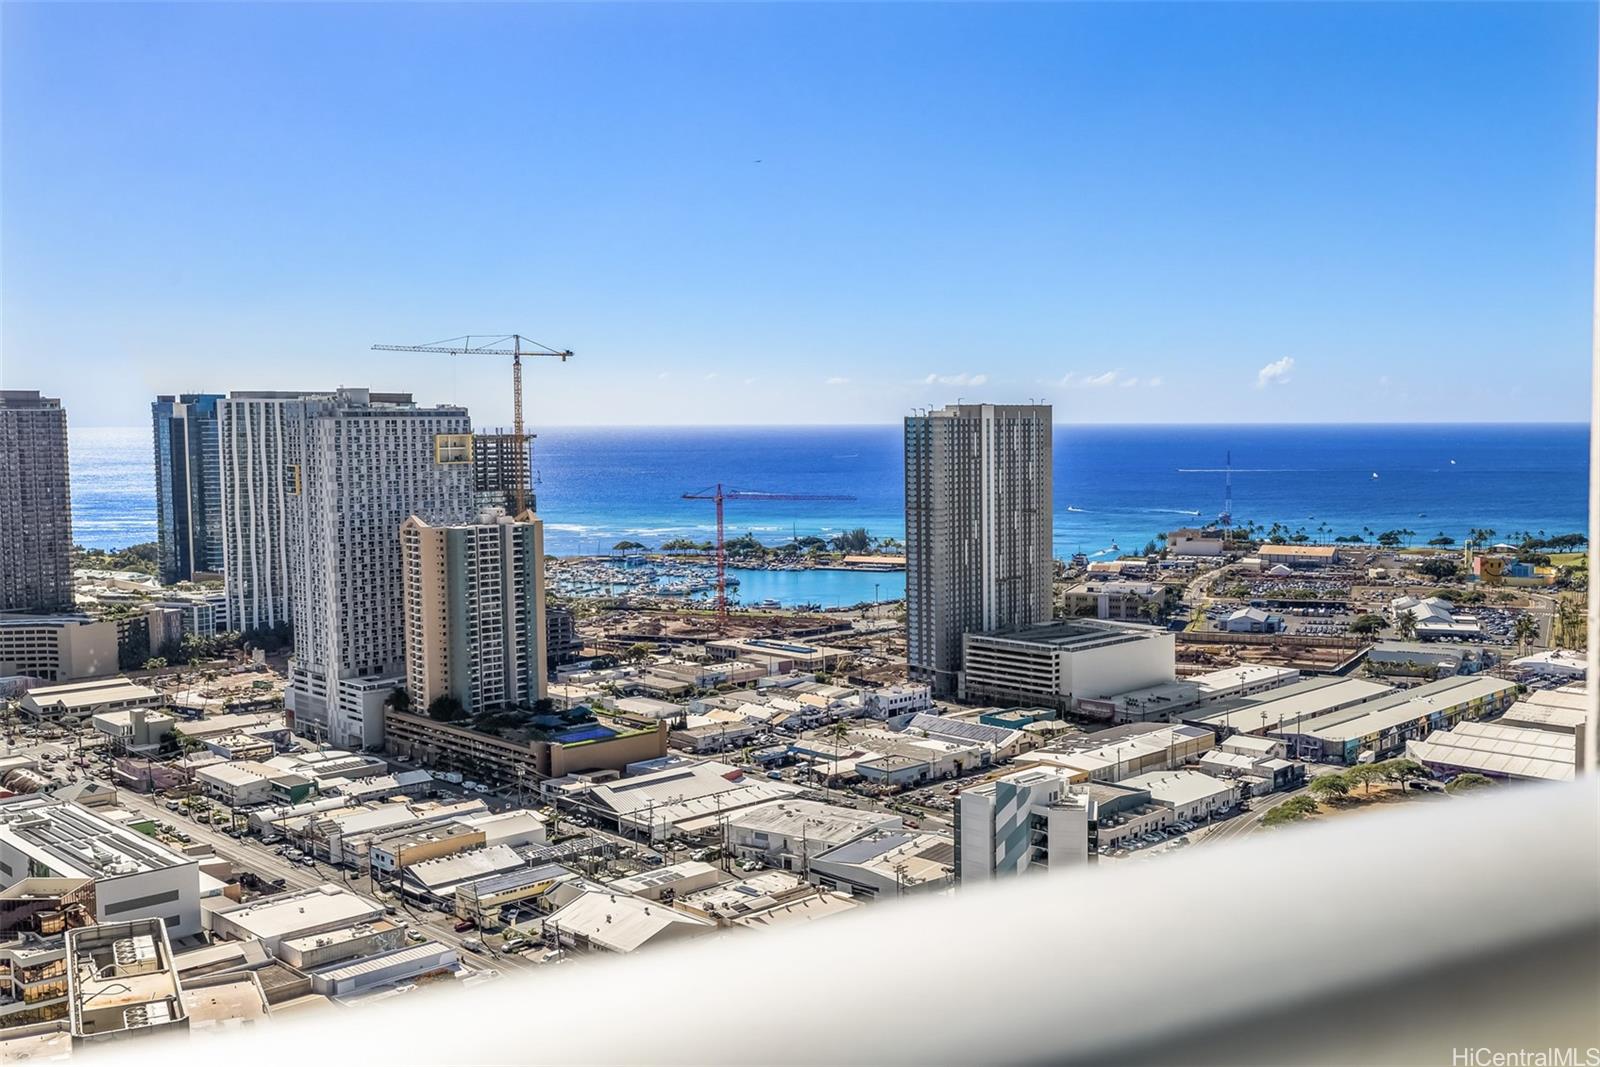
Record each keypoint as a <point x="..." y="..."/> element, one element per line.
<point x="719" y="494"/>
<point x="495" y="346"/>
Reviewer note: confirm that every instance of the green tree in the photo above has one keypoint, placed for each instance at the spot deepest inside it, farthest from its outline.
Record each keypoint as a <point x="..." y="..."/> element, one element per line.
<point x="1442" y="570"/>
<point x="639" y="652"/>
<point x="1294" y="809"/>
<point x="1405" y="624"/>
<point x="1330" y="786"/>
<point x="1366" y="624"/>
<point x="627" y="546"/>
<point x="400" y="700"/>
<point x="446" y="708"/>
<point x="1401" y="771"/>
<point x="854" y="541"/>
<point x="1444" y="540"/>
<point x="1466" y="783"/>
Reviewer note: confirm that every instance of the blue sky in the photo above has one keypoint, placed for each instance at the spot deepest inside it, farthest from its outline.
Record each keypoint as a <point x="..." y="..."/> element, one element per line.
<point x="1200" y="213"/>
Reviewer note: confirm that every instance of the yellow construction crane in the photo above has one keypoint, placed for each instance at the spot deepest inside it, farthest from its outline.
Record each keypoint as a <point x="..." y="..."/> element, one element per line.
<point x="480" y="345"/>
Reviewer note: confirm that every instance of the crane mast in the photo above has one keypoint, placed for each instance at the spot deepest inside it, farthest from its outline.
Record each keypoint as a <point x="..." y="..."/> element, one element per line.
<point x="720" y="495"/>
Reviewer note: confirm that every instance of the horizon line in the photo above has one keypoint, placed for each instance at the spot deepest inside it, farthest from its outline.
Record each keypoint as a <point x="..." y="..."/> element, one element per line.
<point x="878" y="425"/>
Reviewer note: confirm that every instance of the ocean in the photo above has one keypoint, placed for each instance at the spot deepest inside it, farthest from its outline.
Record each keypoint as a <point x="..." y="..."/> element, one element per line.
<point x="1115" y="486"/>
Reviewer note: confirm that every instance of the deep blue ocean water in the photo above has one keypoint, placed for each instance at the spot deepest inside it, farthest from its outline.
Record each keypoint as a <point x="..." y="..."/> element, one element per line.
<point x="1114" y="485"/>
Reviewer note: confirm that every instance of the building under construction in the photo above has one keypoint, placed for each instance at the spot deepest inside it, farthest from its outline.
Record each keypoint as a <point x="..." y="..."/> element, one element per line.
<point x="499" y="466"/>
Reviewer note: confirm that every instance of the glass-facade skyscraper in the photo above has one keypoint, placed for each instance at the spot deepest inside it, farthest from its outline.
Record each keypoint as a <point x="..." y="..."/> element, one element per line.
<point x="188" y="485"/>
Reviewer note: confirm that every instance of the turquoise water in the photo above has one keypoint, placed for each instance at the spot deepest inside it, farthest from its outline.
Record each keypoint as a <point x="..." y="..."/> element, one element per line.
<point x="828" y="588"/>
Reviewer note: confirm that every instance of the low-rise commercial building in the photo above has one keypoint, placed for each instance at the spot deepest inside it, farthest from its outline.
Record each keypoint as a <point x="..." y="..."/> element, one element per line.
<point x="77" y="701"/>
<point x="1170" y="700"/>
<point x="1189" y="795"/>
<point x="1063" y="663"/>
<point x="1554" y="663"/>
<point x="786" y="833"/>
<point x="135" y="730"/>
<point x="887" y="863"/>
<point x="600" y="745"/>
<point x="372" y="972"/>
<point x="1497" y="750"/>
<point x="1298" y="556"/>
<point x="619" y="923"/>
<point x="1121" y="752"/>
<point x="778" y="656"/>
<point x="301" y="913"/>
<point x="246" y="783"/>
<point x="1283" y="709"/>
<point x="326" y="947"/>
<point x="1116" y="598"/>
<point x="1383" y="726"/>
<point x="1417" y="659"/>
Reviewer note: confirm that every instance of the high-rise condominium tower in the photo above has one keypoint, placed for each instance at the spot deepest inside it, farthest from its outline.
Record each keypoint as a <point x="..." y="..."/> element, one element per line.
<point x="35" y="504"/>
<point x="188" y="462"/>
<point x="978" y="529"/>
<point x="363" y="463"/>
<point x="258" y="449"/>
<point x="475" y="625"/>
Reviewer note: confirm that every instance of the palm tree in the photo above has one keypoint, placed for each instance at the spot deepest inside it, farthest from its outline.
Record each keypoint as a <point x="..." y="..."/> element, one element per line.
<point x="1524" y="630"/>
<point x="839" y="732"/>
<point x="1405" y="624"/>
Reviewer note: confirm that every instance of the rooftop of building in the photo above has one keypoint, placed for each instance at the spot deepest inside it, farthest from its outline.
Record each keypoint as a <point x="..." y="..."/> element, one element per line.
<point x="912" y="857"/>
<point x="663" y="876"/>
<point x="1298" y="551"/>
<point x="818" y="905"/>
<point x="620" y="922"/>
<point x="340" y="935"/>
<point x="288" y="913"/>
<point x="72" y="695"/>
<point x="458" y="867"/>
<point x="1178" y="787"/>
<point x="1290" y="704"/>
<point x="811" y="819"/>
<point x="1396" y="709"/>
<point x="73" y="842"/>
<point x="1070" y="634"/>
<point x="1498" y="749"/>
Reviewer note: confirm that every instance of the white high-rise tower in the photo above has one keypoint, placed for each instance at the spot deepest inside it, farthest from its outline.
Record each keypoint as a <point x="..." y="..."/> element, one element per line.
<point x="362" y="464"/>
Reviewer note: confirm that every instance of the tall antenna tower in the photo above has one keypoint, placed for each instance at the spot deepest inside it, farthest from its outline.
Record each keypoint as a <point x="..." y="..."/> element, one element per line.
<point x="1225" y="520"/>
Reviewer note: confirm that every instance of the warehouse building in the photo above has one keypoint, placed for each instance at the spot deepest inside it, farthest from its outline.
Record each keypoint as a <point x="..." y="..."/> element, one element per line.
<point x="1383" y="726"/>
<point x="1165" y="702"/>
<point x="1123" y="751"/>
<point x="1496" y="750"/>
<point x="1283" y="709"/>
<point x="887" y="863"/>
<point x="1189" y="795"/>
<point x="302" y="913"/>
<point x="1063" y="663"/>
<point x="786" y="834"/>
<point x="82" y="700"/>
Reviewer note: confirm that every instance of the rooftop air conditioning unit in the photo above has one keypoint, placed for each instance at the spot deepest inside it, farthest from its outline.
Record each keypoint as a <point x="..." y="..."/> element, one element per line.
<point x="155" y="1013"/>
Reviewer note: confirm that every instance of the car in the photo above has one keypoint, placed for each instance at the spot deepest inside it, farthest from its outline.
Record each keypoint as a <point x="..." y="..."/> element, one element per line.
<point x="307" y="861"/>
<point x="416" y="935"/>
<point x="464" y="925"/>
<point x="472" y="944"/>
<point x="390" y="909"/>
<point x="516" y="944"/>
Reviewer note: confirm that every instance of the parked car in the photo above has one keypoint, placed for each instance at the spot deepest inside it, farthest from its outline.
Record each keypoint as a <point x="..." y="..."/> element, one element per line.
<point x="464" y="925"/>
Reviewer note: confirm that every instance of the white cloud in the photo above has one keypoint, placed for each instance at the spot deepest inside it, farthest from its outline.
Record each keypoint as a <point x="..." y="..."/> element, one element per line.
<point x="955" y="379"/>
<point x="1099" y="381"/>
<point x="1129" y="383"/>
<point x="751" y="381"/>
<point x="1275" y="373"/>
<point x="663" y="376"/>
<point x="837" y="381"/>
<point x="711" y="376"/>
<point x="1154" y="383"/>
